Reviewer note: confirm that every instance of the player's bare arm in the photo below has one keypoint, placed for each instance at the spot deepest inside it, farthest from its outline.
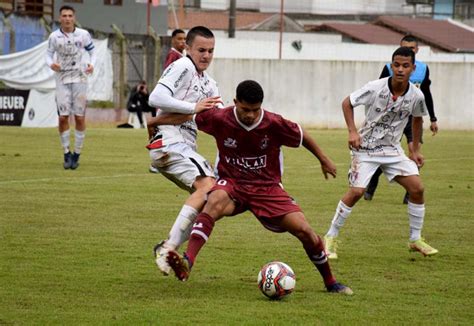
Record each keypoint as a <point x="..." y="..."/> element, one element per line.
<point x="208" y="103"/>
<point x="327" y="166"/>
<point x="56" y="67"/>
<point x="166" y="119"/>
<point x="354" y="136"/>
<point x="434" y="128"/>
<point x="89" y="69"/>
<point x="417" y="125"/>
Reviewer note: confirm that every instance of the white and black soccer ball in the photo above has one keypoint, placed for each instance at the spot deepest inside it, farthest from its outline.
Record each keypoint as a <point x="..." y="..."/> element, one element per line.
<point x="276" y="280"/>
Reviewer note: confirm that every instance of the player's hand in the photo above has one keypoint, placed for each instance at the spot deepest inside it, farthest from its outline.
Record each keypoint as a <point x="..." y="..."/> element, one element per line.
<point x="89" y="69"/>
<point x="434" y="127"/>
<point x="354" y="140"/>
<point x="207" y="103"/>
<point x="328" y="167"/>
<point x="418" y="158"/>
<point x="56" y="67"/>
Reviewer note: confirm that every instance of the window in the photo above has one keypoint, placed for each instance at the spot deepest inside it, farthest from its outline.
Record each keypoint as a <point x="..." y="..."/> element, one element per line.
<point x="113" y="2"/>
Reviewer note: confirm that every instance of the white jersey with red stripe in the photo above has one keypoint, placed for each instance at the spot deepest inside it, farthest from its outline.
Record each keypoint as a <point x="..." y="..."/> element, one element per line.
<point x="385" y="116"/>
<point x="70" y="49"/>
<point x="185" y="84"/>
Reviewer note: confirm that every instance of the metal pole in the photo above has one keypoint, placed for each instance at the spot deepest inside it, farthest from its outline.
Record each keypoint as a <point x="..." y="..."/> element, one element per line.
<point x="232" y="11"/>
<point x="281" y="28"/>
<point x="181" y="11"/>
<point x="173" y="10"/>
<point x="157" y="41"/>
<point x="148" y="9"/>
<point x="122" y="74"/>
<point x="11" y="30"/>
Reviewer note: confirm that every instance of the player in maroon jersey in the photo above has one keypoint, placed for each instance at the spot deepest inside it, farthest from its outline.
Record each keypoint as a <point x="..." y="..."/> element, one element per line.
<point x="178" y="44"/>
<point x="249" y="140"/>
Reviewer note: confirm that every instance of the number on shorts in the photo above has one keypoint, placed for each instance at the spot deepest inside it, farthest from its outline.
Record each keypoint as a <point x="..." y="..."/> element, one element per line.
<point x="222" y="182"/>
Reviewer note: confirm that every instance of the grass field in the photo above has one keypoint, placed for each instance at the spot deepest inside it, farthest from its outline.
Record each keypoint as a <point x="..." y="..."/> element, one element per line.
<point x="76" y="246"/>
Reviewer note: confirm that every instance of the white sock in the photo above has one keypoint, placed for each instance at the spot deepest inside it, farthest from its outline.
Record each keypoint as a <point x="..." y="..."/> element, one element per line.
<point x="416" y="215"/>
<point x="182" y="227"/>
<point x="78" y="140"/>
<point x="64" y="137"/>
<point x="342" y="212"/>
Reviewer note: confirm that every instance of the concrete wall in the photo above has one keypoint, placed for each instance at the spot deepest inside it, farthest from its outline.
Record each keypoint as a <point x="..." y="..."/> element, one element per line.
<point x="130" y="17"/>
<point x="311" y="91"/>
<point x="308" y="86"/>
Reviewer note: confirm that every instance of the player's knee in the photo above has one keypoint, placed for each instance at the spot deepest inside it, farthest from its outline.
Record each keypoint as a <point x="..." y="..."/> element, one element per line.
<point x="217" y="203"/>
<point x="305" y="233"/>
<point x="355" y="194"/>
<point x="204" y="184"/>
<point x="416" y="190"/>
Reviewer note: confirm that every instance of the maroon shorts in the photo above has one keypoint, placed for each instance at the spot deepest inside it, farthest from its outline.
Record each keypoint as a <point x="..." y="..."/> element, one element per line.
<point x="266" y="202"/>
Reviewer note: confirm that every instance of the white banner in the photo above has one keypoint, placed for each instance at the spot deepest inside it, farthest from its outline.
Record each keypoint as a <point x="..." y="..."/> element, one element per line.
<point x="40" y="110"/>
<point x="28" y="70"/>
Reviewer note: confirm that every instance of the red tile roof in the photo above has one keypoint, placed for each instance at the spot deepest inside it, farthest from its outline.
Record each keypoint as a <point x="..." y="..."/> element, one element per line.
<point x="437" y="33"/>
<point x="216" y="20"/>
<point x="366" y="33"/>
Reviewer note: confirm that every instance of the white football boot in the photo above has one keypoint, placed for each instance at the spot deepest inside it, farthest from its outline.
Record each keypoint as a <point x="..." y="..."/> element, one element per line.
<point x="161" y="253"/>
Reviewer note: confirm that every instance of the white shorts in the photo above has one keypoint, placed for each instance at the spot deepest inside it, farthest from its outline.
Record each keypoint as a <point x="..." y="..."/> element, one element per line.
<point x="71" y="98"/>
<point x="363" y="167"/>
<point x="181" y="164"/>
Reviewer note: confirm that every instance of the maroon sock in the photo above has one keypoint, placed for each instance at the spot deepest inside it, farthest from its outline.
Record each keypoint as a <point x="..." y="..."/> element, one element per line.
<point x="201" y="231"/>
<point x="318" y="257"/>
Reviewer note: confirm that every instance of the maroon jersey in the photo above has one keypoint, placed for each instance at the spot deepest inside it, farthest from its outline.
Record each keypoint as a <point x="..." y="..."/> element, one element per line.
<point x="171" y="57"/>
<point x="249" y="154"/>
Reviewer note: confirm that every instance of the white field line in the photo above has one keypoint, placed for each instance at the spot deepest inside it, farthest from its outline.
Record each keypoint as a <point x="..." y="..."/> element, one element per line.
<point x="144" y="174"/>
<point x="74" y="178"/>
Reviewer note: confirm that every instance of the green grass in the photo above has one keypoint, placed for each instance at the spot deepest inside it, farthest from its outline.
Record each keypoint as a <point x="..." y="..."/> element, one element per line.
<point x="76" y="246"/>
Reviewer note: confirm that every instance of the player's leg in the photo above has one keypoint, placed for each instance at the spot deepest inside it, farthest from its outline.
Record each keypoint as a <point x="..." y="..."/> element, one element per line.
<point x="79" y="93"/>
<point x="218" y="205"/>
<point x="140" y="116"/>
<point x="181" y="228"/>
<point x="360" y="174"/>
<point x="192" y="172"/>
<point x="372" y="186"/>
<point x="297" y="225"/>
<point x="63" y="103"/>
<point x="416" y="213"/>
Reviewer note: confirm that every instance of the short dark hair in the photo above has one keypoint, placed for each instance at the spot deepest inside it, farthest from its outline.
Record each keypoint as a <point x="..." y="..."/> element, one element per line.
<point x="198" y="31"/>
<point x="176" y="32"/>
<point x="249" y="91"/>
<point x="409" y="38"/>
<point x="404" y="52"/>
<point x="66" y="7"/>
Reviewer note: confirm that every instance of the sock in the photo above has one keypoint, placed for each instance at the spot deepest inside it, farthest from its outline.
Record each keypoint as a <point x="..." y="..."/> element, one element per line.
<point x="342" y="212"/>
<point x="78" y="140"/>
<point x="201" y="231"/>
<point x="64" y="137"/>
<point x="181" y="228"/>
<point x="318" y="257"/>
<point x="416" y="215"/>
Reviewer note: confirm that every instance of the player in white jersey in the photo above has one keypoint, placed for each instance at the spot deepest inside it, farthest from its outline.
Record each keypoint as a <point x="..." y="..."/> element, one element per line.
<point x="66" y="56"/>
<point x="388" y="104"/>
<point x="183" y="88"/>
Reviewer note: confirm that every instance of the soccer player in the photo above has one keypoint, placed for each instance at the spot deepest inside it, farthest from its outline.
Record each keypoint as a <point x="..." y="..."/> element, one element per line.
<point x="178" y="44"/>
<point x="184" y="88"/>
<point x="420" y="77"/>
<point x="388" y="104"/>
<point x="249" y="141"/>
<point x="66" y="56"/>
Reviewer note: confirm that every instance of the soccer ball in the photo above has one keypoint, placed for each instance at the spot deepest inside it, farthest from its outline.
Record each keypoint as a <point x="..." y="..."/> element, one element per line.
<point x="276" y="280"/>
